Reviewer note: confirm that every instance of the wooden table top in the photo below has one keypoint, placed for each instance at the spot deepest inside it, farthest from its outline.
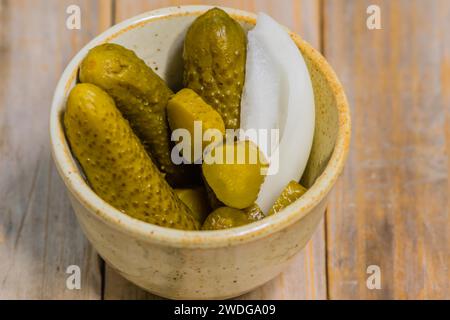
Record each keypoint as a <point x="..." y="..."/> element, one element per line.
<point x="389" y="209"/>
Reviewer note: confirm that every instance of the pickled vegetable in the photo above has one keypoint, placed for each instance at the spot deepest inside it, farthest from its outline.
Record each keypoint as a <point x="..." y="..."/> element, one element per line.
<point x="214" y="56"/>
<point x="116" y="164"/>
<point x="141" y="96"/>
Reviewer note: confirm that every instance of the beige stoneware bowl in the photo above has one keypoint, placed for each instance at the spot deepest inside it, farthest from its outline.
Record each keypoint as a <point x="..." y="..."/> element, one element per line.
<point x="209" y="264"/>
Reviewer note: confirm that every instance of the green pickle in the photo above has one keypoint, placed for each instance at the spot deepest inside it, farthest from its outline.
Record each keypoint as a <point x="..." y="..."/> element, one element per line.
<point x="214" y="55"/>
<point x="187" y="109"/>
<point x="225" y="217"/>
<point x="290" y="194"/>
<point x="234" y="172"/>
<point x="115" y="162"/>
<point x="141" y="96"/>
<point x="196" y="200"/>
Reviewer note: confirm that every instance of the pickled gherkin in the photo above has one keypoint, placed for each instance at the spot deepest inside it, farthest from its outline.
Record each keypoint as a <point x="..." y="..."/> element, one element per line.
<point x="186" y="110"/>
<point x="116" y="164"/>
<point x="141" y="96"/>
<point x="226" y="217"/>
<point x="234" y="172"/>
<point x="214" y="55"/>
<point x="290" y="194"/>
<point x="196" y="201"/>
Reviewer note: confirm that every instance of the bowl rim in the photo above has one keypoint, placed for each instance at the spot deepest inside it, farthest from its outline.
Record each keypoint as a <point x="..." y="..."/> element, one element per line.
<point x="79" y="189"/>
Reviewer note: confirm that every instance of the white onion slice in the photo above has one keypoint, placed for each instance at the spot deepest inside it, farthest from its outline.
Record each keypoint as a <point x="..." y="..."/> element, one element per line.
<point x="278" y="94"/>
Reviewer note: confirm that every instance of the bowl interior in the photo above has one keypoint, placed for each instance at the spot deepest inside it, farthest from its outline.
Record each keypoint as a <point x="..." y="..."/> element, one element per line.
<point x="158" y="39"/>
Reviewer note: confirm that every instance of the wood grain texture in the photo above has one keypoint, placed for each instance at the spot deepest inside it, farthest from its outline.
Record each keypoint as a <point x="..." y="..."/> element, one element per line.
<point x="39" y="234"/>
<point x="302" y="16"/>
<point x="391" y="207"/>
<point x="306" y="277"/>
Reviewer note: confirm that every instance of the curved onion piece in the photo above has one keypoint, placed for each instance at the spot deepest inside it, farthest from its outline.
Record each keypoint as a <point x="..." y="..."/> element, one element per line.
<point x="278" y="94"/>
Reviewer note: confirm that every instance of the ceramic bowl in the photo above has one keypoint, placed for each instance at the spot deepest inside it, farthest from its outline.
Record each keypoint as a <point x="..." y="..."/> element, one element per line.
<point x="208" y="264"/>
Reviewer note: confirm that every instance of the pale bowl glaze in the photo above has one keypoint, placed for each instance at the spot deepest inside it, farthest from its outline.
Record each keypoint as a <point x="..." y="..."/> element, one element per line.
<point x="208" y="264"/>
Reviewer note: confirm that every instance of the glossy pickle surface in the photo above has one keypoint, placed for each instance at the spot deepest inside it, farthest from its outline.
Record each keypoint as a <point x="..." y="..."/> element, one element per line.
<point x="116" y="164"/>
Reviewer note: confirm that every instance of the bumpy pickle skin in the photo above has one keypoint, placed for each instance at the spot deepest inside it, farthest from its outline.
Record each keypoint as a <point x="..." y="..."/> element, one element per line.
<point x="141" y="96"/>
<point x="196" y="200"/>
<point x="187" y="109"/>
<point x="215" y="51"/>
<point x="116" y="164"/>
<point x="226" y="218"/>
<point x="292" y="192"/>
<point x="232" y="218"/>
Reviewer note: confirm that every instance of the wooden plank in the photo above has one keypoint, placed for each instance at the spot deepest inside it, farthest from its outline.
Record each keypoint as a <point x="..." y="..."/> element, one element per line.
<point x="118" y="288"/>
<point x="391" y="208"/>
<point x="39" y="234"/>
<point x="302" y="16"/>
<point x="306" y="278"/>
